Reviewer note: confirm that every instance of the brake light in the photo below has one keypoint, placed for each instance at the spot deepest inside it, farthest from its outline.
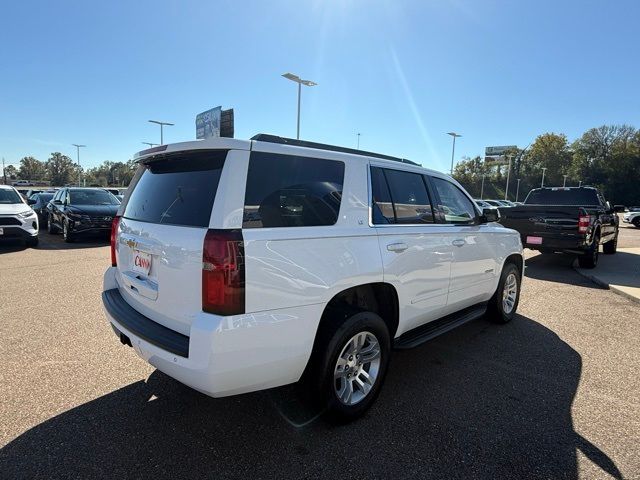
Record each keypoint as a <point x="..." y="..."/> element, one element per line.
<point x="583" y="223"/>
<point x="223" y="272"/>
<point x="114" y="237"/>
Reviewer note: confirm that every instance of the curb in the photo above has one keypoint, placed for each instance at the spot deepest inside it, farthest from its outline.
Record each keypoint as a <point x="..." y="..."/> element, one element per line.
<point x="600" y="283"/>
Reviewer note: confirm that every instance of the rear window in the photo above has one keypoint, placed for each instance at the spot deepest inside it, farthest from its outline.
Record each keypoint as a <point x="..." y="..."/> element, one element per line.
<point x="177" y="189"/>
<point x="292" y="191"/>
<point x="562" y="197"/>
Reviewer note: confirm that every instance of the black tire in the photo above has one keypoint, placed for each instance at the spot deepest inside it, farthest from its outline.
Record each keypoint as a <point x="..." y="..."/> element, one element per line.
<point x="497" y="310"/>
<point x="32" y="242"/>
<point x="68" y="236"/>
<point x="590" y="258"/>
<point x="636" y="222"/>
<point x="332" y="341"/>
<point x="51" y="228"/>
<point x="611" y="246"/>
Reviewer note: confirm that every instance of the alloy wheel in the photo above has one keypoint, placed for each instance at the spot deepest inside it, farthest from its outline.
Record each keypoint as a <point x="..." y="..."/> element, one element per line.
<point x="357" y="368"/>
<point x="509" y="293"/>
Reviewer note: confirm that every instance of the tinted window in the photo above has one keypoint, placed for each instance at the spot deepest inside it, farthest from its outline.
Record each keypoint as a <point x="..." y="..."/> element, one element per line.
<point x="578" y="196"/>
<point x="382" y="205"/>
<point x="91" y="197"/>
<point x="177" y="189"/>
<point x="454" y="205"/>
<point x="291" y="191"/>
<point x="8" y="196"/>
<point x="409" y="195"/>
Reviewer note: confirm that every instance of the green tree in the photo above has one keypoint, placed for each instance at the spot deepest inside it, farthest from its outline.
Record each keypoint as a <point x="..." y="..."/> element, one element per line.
<point x="61" y="169"/>
<point x="11" y="172"/>
<point x="32" y="169"/>
<point x="550" y="151"/>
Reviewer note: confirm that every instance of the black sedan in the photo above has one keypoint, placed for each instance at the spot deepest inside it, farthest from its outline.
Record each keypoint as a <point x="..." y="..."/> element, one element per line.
<point x="38" y="202"/>
<point x="78" y="211"/>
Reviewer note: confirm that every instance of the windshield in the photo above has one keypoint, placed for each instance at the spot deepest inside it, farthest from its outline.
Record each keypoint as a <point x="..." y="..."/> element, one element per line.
<point x="581" y="197"/>
<point x="92" y="197"/>
<point x="9" y="196"/>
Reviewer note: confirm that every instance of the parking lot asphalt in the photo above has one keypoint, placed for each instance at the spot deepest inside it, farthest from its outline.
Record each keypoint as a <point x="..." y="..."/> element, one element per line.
<point x="553" y="394"/>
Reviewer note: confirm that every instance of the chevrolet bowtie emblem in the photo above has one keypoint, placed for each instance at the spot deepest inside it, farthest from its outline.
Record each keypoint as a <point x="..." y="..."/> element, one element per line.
<point x="130" y="243"/>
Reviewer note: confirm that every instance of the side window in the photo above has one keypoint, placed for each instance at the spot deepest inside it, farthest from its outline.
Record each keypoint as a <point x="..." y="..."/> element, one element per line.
<point x="409" y="195"/>
<point x="292" y="191"/>
<point x="382" y="207"/>
<point x="454" y="205"/>
<point x="58" y="195"/>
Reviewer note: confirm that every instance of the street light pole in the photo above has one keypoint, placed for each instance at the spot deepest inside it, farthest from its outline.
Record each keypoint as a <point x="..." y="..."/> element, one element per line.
<point x="78" y="152"/>
<point x="506" y="190"/>
<point x="453" y="148"/>
<point x="162" y="124"/>
<point x="564" y="184"/>
<point x="579" y="183"/>
<point x="517" y="190"/>
<point x="358" y="147"/>
<point x="482" y="187"/>
<point x="300" y="82"/>
<point x="544" y="169"/>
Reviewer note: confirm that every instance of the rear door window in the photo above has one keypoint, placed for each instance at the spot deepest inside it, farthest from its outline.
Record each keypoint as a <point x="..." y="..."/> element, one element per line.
<point x="292" y="191"/>
<point x="399" y="197"/>
<point x="177" y="189"/>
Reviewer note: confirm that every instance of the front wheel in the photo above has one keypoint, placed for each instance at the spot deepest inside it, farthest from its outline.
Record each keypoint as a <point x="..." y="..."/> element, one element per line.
<point x="504" y="303"/>
<point x="349" y="369"/>
<point x="636" y="222"/>
<point x="66" y="232"/>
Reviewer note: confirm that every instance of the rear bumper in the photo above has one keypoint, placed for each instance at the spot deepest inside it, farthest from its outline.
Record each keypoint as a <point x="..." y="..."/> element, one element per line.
<point x="224" y="355"/>
<point x="572" y="243"/>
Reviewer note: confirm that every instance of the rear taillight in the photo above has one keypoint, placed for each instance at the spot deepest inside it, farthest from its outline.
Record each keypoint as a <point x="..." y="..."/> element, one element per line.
<point x="583" y="223"/>
<point x="223" y="272"/>
<point x="114" y="237"/>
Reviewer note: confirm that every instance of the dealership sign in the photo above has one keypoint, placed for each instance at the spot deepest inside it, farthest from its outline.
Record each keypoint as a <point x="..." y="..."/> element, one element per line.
<point x="499" y="151"/>
<point x="208" y="123"/>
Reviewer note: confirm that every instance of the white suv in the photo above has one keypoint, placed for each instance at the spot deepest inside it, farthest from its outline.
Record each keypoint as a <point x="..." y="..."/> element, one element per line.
<point x="245" y="265"/>
<point x="17" y="219"/>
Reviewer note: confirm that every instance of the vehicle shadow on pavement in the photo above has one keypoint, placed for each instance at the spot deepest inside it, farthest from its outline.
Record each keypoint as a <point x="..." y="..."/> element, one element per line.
<point x="53" y="242"/>
<point x="556" y="267"/>
<point x="483" y="401"/>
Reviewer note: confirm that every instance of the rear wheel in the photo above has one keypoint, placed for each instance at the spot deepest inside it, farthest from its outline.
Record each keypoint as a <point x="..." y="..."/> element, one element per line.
<point x="611" y="246"/>
<point x="504" y="303"/>
<point x="636" y="222"/>
<point x="590" y="258"/>
<point x="347" y="370"/>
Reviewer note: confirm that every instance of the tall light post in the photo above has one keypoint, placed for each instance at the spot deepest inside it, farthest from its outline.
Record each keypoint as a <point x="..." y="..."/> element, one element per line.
<point x="300" y="82"/>
<point x="453" y="148"/>
<point x="506" y="190"/>
<point x="517" y="190"/>
<point x="564" y="184"/>
<point x="358" y="147"/>
<point x="150" y="144"/>
<point x="482" y="186"/>
<point x="162" y="124"/>
<point x="579" y="183"/>
<point x="78" y="147"/>
<point x="544" y="169"/>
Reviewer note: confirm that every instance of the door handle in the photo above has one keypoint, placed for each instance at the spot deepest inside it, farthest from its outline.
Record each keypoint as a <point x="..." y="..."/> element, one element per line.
<point x="459" y="242"/>
<point x="397" y="247"/>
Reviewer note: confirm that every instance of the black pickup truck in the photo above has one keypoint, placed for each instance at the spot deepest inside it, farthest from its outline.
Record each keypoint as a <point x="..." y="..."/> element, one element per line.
<point x="574" y="220"/>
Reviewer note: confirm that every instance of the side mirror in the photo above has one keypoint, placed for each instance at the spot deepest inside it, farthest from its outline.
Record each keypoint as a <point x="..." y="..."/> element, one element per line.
<point x="57" y="202"/>
<point x="618" y="208"/>
<point x="490" y="215"/>
<point x="31" y="201"/>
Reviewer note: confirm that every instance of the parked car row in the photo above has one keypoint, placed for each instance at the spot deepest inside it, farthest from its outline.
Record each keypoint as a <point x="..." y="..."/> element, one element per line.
<point x="74" y="211"/>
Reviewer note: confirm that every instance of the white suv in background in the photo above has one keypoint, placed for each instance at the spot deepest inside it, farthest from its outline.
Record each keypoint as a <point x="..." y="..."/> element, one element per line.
<point x="245" y="265"/>
<point x="17" y="219"/>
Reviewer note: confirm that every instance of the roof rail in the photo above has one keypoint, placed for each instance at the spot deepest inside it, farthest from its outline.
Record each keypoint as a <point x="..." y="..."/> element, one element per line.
<point x="265" y="137"/>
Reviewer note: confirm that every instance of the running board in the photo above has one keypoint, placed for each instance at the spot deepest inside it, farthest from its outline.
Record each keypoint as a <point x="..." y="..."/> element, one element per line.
<point x="421" y="334"/>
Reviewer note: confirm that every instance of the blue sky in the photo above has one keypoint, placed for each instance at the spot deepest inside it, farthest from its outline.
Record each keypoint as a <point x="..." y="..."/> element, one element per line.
<point x="403" y="73"/>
